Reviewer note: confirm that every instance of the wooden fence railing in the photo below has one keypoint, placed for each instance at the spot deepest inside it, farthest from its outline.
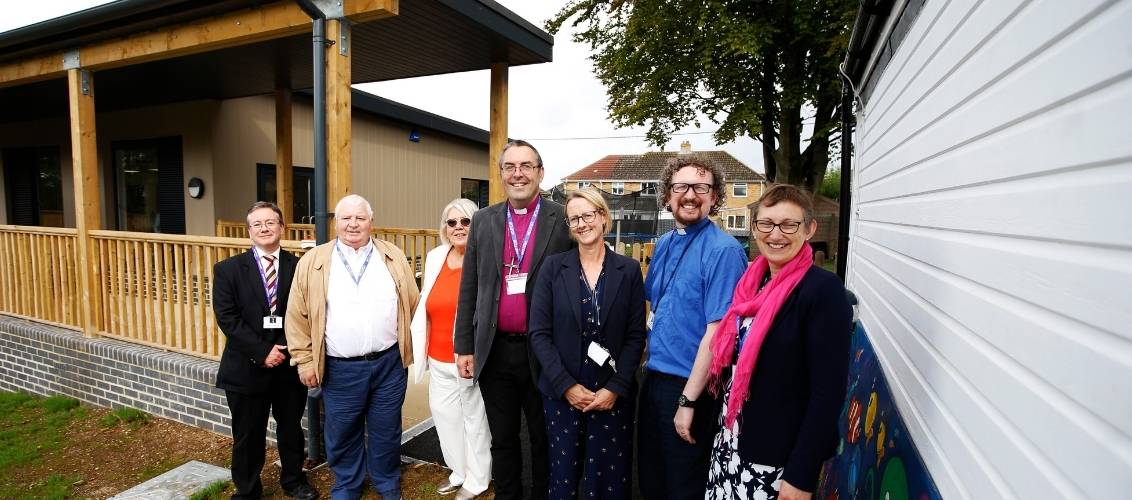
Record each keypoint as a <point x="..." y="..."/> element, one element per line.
<point x="39" y="274"/>
<point x="414" y="242"/>
<point x="156" y="288"/>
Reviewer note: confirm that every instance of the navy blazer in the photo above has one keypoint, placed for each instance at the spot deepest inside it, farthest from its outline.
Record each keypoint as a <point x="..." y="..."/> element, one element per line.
<point x="240" y="303"/>
<point x="790" y="416"/>
<point x="556" y="317"/>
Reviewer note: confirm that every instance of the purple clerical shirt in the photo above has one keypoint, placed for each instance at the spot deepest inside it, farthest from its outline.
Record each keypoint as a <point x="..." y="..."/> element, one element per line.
<point x="513" y="308"/>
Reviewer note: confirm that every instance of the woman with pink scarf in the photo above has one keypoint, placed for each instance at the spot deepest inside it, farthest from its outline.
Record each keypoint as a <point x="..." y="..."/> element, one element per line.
<point x="777" y="361"/>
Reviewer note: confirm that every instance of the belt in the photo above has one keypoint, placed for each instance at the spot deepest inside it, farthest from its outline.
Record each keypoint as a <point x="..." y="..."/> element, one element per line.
<point x="511" y="336"/>
<point x="366" y="357"/>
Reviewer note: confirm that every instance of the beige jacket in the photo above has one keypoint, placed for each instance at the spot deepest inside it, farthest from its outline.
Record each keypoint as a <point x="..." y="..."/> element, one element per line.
<point x="305" y="323"/>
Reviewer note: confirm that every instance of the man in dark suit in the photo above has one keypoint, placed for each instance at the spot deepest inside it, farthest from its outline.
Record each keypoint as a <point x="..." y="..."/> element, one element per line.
<point x="505" y="250"/>
<point x="249" y="296"/>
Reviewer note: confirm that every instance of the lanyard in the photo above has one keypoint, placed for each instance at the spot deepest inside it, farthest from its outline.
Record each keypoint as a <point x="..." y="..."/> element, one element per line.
<point x="263" y="275"/>
<point x="595" y="293"/>
<point x="357" y="279"/>
<point x="676" y="268"/>
<point x="520" y="252"/>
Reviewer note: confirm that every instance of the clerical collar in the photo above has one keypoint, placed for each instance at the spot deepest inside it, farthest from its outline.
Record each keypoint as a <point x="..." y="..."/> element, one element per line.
<point x="694" y="227"/>
<point x="524" y="210"/>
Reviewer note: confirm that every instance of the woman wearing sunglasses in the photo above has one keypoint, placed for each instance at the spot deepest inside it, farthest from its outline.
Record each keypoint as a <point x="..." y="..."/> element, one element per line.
<point x="457" y="407"/>
<point x="587" y="330"/>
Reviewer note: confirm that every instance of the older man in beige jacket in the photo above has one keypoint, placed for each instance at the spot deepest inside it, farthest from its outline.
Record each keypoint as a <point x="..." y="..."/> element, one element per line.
<point x="350" y="307"/>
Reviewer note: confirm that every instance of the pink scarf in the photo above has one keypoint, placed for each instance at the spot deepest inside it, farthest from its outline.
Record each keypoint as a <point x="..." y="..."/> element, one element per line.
<point x="763" y="305"/>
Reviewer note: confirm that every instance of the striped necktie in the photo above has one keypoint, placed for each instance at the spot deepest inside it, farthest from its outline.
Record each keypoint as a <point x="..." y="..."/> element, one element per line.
<point x="271" y="276"/>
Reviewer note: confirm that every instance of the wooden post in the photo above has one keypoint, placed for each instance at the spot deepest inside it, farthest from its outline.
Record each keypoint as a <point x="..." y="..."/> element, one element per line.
<point x="283" y="173"/>
<point x="84" y="161"/>
<point x="498" y="134"/>
<point x="338" y="172"/>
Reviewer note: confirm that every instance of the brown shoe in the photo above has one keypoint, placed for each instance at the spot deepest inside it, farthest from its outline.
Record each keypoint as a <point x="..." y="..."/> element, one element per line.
<point x="447" y="488"/>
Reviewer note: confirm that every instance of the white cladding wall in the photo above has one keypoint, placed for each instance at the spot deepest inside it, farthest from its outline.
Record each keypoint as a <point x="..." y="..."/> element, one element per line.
<point x="992" y="244"/>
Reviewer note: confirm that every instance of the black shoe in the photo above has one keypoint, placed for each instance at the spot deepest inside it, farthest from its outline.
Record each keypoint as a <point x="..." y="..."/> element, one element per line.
<point x="302" y="492"/>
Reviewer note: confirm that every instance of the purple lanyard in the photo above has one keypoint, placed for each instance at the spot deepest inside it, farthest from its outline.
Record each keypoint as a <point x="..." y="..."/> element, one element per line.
<point x="521" y="252"/>
<point x="263" y="275"/>
<point x="357" y="279"/>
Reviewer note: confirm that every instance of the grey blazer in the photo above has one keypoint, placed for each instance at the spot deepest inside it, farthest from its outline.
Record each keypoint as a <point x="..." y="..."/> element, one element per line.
<point x="478" y="307"/>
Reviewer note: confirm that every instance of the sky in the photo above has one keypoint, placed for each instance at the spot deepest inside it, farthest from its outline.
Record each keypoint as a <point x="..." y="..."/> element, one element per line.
<point x="560" y="106"/>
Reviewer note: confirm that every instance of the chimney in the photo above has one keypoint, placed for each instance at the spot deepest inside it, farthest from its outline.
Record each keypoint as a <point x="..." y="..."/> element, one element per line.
<point x="685" y="147"/>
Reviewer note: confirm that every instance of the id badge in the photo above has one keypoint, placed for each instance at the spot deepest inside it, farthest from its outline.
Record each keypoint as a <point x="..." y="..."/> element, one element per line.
<point x="272" y="322"/>
<point x="598" y="354"/>
<point x="516" y="283"/>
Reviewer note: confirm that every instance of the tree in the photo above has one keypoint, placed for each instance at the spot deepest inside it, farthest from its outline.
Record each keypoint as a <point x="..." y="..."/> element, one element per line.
<point x="753" y="66"/>
<point x="831" y="185"/>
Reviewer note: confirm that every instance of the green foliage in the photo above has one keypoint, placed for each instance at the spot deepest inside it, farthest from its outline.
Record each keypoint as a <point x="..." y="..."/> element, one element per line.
<point x="30" y="426"/>
<point x="55" y="487"/>
<point x="59" y="403"/>
<point x="754" y="66"/>
<point x="131" y="417"/>
<point x="214" y="491"/>
<point x="831" y="185"/>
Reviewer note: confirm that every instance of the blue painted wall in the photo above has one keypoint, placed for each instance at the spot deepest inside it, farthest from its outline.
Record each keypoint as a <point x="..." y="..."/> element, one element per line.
<point x="876" y="458"/>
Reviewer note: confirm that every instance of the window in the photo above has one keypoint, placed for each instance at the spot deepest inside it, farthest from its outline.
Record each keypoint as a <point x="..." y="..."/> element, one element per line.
<point x="475" y="190"/>
<point x="648" y="188"/>
<point x="584" y="184"/>
<point x="618" y="188"/>
<point x="302" y="190"/>
<point x="739" y="190"/>
<point x="34" y="186"/>
<point x="736" y="222"/>
<point x="149" y="185"/>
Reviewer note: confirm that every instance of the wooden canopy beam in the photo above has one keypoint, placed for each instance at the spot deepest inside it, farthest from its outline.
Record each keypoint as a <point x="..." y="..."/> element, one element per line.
<point x="84" y="161"/>
<point x="274" y="20"/>
<point x="498" y="131"/>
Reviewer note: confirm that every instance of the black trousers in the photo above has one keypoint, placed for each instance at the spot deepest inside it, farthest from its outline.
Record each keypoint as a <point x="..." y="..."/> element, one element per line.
<point x="509" y="393"/>
<point x="667" y="466"/>
<point x="285" y="401"/>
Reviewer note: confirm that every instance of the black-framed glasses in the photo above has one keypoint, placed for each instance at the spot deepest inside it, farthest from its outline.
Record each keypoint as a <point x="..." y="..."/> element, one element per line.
<point x="270" y="224"/>
<point x="463" y="221"/>
<point x="587" y="217"/>
<point x="698" y="188"/>
<point x="526" y="167"/>
<point x="786" y="226"/>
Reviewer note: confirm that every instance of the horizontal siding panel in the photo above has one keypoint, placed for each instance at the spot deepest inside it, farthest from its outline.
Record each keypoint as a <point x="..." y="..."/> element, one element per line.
<point x="1079" y="207"/>
<point x="1087" y="132"/>
<point x="1076" y="62"/>
<point x="1043" y="447"/>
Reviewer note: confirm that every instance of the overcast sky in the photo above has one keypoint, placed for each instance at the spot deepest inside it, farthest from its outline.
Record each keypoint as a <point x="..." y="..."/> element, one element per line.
<point x="558" y="106"/>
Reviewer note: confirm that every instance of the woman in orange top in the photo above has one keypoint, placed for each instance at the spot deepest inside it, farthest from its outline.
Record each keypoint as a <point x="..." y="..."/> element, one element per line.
<point x="457" y="407"/>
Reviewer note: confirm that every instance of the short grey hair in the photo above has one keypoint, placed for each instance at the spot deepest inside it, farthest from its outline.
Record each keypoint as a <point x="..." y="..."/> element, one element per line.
<point x="353" y="198"/>
<point x="518" y="143"/>
<point x="465" y="206"/>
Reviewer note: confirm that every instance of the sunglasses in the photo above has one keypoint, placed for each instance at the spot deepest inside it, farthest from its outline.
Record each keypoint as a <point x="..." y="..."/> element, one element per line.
<point x="463" y="221"/>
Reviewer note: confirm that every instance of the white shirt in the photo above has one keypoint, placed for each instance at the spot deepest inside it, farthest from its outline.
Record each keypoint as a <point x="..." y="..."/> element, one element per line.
<point x="360" y="318"/>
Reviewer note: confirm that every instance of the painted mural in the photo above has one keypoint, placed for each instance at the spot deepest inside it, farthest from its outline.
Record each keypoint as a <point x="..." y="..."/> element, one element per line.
<point x="876" y="458"/>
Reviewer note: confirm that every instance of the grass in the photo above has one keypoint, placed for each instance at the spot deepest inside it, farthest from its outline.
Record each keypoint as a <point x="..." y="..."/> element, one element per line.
<point x="214" y="491"/>
<point x="29" y="428"/>
<point x="131" y="417"/>
<point x="160" y="467"/>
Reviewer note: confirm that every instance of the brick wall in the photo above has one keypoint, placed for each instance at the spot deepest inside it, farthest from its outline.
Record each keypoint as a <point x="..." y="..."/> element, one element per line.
<point x="47" y="360"/>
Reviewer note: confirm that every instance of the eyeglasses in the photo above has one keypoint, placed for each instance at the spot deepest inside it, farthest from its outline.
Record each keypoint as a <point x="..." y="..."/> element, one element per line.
<point x="698" y="188"/>
<point x="271" y="224"/>
<point x="587" y="217"/>
<point x="463" y="221"/>
<point x="786" y="226"/>
<point x="527" y="167"/>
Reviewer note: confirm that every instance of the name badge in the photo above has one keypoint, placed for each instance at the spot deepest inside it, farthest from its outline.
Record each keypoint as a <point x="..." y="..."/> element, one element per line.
<point x="516" y="283"/>
<point x="599" y="355"/>
<point x="273" y="322"/>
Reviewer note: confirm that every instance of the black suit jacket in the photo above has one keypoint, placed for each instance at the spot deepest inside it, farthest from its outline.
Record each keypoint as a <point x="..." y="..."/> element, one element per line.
<point x="240" y="303"/>
<point x="555" y="323"/>
<point x="478" y="308"/>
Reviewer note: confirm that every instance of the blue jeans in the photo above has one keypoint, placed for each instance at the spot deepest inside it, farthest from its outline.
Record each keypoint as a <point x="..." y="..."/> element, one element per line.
<point x="669" y="467"/>
<point x="363" y="402"/>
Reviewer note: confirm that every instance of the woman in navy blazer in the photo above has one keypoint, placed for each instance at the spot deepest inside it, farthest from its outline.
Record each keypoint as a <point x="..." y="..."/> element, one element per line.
<point x="587" y="330"/>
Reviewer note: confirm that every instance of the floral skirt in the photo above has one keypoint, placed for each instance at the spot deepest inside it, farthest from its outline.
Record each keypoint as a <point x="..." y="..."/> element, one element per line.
<point x="729" y="476"/>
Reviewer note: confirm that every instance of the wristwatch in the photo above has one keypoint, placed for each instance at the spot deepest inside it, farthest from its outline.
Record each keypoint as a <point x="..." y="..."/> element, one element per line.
<point x="684" y="402"/>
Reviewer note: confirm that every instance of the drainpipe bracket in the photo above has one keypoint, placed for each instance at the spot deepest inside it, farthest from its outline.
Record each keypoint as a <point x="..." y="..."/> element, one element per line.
<point x="344" y="38"/>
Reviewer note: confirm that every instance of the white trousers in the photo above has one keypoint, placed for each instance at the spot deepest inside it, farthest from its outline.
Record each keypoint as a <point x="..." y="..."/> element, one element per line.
<point x="461" y="425"/>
